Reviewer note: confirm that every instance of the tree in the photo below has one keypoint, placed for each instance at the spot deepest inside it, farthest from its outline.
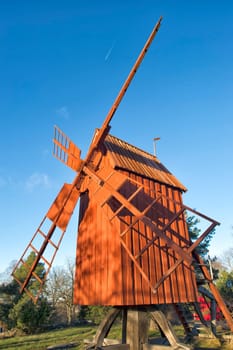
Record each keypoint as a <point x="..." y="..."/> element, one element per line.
<point x="225" y="285"/>
<point x="5" y="276"/>
<point x="194" y="232"/>
<point x="22" y="272"/>
<point x="5" y="306"/>
<point x="203" y="248"/>
<point x="225" y="280"/>
<point x="59" y="291"/>
<point x="93" y="313"/>
<point x="227" y="259"/>
<point x="30" y="317"/>
<point x="18" y="310"/>
<point x="9" y="295"/>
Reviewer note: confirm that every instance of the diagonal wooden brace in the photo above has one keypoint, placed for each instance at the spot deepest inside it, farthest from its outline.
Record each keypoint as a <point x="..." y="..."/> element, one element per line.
<point x="137" y="265"/>
<point x="189" y="250"/>
<point x="163" y="230"/>
<point x="136" y="219"/>
<point x="136" y="212"/>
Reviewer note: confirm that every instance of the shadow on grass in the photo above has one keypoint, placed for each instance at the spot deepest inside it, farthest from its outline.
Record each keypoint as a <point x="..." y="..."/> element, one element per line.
<point x="44" y="340"/>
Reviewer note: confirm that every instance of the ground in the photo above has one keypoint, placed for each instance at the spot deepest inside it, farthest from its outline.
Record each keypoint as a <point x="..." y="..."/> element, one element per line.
<point x="76" y="335"/>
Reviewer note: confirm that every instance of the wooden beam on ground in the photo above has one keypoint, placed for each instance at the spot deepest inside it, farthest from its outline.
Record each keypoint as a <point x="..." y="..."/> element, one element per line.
<point x="105" y="326"/>
<point x="168" y="331"/>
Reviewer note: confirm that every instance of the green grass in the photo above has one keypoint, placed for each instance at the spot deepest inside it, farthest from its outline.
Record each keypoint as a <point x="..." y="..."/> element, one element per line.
<point x="78" y="334"/>
<point x="43" y="340"/>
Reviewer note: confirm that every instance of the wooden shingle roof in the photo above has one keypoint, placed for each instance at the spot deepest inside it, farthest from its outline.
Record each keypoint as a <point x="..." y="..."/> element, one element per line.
<point x="133" y="159"/>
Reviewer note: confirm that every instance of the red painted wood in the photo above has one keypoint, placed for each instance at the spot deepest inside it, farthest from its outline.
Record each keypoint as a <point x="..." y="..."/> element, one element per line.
<point x="105" y="273"/>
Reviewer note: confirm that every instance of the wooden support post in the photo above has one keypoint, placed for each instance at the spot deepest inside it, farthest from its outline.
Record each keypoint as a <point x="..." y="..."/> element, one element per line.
<point x="124" y="326"/>
<point x="213" y="316"/>
<point x="137" y="328"/>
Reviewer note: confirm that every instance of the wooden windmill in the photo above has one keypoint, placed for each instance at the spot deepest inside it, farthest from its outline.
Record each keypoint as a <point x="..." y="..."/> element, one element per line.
<point x="133" y="248"/>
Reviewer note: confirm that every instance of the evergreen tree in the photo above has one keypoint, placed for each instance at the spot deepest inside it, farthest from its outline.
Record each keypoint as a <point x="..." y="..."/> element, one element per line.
<point x="225" y="286"/>
<point x="93" y="313"/>
<point x="18" y="310"/>
<point x="194" y="232"/>
<point x="22" y="272"/>
<point x="203" y="248"/>
<point x="9" y="296"/>
<point x="30" y="317"/>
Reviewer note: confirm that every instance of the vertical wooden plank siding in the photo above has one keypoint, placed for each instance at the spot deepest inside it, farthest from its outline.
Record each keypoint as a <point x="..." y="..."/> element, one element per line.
<point x="182" y="277"/>
<point x="172" y="259"/>
<point x="106" y="274"/>
<point x="148" y="261"/>
<point x="179" y="227"/>
<point x="192" y="287"/>
<point x="139" y="239"/>
<point x="158" y="256"/>
<point x="165" y="256"/>
<point x="174" y="226"/>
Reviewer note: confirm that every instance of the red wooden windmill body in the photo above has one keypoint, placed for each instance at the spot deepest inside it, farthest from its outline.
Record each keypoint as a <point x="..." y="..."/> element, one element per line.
<point x="120" y="258"/>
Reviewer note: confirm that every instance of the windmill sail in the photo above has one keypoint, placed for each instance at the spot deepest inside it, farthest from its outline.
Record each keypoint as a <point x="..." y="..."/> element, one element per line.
<point x="103" y="131"/>
<point x="46" y="241"/>
<point x="65" y="150"/>
<point x="58" y="216"/>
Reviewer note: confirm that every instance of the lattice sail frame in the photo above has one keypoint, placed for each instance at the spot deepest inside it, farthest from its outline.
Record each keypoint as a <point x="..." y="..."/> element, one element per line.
<point x="65" y="150"/>
<point x="46" y="241"/>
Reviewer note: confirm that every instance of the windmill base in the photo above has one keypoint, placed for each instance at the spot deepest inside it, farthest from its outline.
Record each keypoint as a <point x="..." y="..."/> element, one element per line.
<point x="135" y="325"/>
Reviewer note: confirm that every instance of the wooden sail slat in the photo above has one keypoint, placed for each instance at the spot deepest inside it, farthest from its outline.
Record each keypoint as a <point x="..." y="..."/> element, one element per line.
<point x="65" y="150"/>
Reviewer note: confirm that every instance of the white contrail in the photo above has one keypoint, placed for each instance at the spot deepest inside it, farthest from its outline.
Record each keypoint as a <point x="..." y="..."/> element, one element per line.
<point x="110" y="51"/>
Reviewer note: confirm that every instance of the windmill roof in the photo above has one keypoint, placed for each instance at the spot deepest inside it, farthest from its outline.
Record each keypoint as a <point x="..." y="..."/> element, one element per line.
<point x="133" y="159"/>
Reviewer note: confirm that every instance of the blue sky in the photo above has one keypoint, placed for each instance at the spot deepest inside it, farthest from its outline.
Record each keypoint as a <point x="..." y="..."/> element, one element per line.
<point x="63" y="63"/>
